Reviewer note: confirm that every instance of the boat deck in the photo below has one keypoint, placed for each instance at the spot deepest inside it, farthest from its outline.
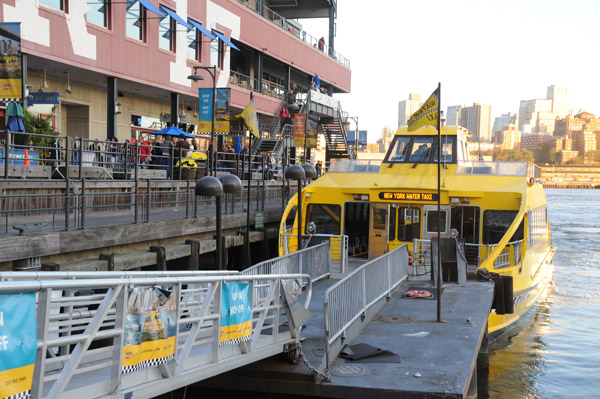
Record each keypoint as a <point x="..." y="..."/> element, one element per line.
<point x="426" y="359"/>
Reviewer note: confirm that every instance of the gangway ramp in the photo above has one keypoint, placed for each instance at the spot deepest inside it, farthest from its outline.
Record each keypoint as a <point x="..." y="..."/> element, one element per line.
<point x="84" y="326"/>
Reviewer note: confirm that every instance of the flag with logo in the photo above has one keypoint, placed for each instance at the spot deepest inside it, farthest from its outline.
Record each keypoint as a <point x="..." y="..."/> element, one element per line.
<point x="249" y="116"/>
<point x="428" y="114"/>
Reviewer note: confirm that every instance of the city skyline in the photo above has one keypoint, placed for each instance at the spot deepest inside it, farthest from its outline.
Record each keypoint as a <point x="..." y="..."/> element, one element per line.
<point x="513" y="56"/>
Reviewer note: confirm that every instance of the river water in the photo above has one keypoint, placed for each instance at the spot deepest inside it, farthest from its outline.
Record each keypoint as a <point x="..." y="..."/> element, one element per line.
<point x="555" y="352"/>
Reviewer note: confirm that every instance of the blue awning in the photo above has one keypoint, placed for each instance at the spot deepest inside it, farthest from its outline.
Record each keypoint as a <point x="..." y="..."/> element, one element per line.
<point x="148" y="6"/>
<point x="225" y="40"/>
<point x="202" y="29"/>
<point x="176" y="17"/>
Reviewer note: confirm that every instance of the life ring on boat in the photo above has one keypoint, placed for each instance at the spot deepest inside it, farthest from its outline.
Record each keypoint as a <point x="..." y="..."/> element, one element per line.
<point x="418" y="294"/>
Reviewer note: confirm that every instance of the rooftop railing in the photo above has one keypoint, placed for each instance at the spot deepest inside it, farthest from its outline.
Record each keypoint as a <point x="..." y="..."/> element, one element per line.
<point x="258" y="7"/>
<point x="498" y="168"/>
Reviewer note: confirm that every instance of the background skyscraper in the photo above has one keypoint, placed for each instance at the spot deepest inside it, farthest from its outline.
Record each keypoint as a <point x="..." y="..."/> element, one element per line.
<point x="408" y="107"/>
<point x="477" y="120"/>
<point x="453" y="115"/>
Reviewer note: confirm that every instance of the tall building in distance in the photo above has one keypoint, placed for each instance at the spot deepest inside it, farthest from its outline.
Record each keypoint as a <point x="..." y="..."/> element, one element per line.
<point x="560" y="97"/>
<point x="477" y="120"/>
<point x="538" y="116"/>
<point x="453" y="115"/>
<point x="408" y="107"/>
<point x="502" y="121"/>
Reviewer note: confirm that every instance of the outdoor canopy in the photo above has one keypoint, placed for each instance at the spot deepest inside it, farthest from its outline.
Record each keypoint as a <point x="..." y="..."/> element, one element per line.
<point x="173" y="131"/>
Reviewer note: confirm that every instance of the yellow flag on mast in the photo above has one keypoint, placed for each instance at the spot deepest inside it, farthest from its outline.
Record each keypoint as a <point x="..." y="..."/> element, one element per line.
<point x="428" y="114"/>
<point x="249" y="116"/>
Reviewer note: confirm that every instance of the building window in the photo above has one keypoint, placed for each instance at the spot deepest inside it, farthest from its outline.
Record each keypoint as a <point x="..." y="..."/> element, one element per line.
<point x="166" y="33"/>
<point x="135" y="19"/>
<point x="194" y="44"/>
<point x="216" y="53"/>
<point x="98" y="12"/>
<point x="58" y="4"/>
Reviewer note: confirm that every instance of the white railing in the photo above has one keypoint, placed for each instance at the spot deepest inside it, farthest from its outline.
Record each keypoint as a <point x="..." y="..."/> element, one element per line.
<point x="70" y="275"/>
<point x="314" y="261"/>
<point x="475" y="255"/>
<point x="496" y="168"/>
<point x="82" y="326"/>
<point x="354" y="166"/>
<point x="338" y="247"/>
<point x="350" y="299"/>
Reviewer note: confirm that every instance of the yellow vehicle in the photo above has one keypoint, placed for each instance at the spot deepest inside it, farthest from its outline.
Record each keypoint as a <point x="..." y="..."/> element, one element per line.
<point x="9" y="66"/>
<point x="497" y="210"/>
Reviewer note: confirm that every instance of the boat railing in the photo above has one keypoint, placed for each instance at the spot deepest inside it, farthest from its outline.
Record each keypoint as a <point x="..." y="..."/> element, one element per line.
<point x="350" y="300"/>
<point x="354" y="166"/>
<point x="497" y="168"/>
<point x="338" y="247"/>
<point x="475" y="255"/>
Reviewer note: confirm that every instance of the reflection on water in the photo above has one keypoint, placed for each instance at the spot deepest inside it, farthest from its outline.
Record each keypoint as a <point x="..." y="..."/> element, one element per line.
<point x="555" y="352"/>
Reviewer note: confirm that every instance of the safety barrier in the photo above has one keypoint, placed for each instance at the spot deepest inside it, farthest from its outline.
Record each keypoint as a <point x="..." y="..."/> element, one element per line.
<point x="314" y="261"/>
<point x="85" y="330"/>
<point x="348" y="301"/>
<point x="338" y="247"/>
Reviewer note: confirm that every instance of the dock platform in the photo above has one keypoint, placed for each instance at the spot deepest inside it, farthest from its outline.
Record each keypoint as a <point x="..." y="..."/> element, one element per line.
<point x="425" y="359"/>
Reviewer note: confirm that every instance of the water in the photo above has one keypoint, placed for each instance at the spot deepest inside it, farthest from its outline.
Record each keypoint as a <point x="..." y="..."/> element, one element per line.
<point x="555" y="353"/>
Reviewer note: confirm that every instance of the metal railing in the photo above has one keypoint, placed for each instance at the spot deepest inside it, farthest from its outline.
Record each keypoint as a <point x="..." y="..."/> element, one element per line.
<point x="80" y="275"/>
<point x="475" y="255"/>
<point x="354" y="166"/>
<point x="83" y="325"/>
<point x="292" y="27"/>
<point x="241" y="80"/>
<point x="314" y="261"/>
<point x="338" y="247"/>
<point x="350" y="299"/>
<point x="74" y="204"/>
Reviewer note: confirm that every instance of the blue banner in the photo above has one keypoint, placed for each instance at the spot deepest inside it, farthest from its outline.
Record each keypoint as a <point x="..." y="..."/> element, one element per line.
<point x="350" y="137"/>
<point x="236" y="313"/>
<point x="205" y="109"/>
<point x="362" y="137"/>
<point x="18" y="343"/>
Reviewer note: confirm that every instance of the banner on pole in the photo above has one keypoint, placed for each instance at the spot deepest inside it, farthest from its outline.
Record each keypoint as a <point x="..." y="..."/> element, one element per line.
<point x="150" y="326"/>
<point x="205" y="110"/>
<point x="11" y="74"/>
<point x="18" y="344"/>
<point x="236" y="313"/>
<point x="299" y="124"/>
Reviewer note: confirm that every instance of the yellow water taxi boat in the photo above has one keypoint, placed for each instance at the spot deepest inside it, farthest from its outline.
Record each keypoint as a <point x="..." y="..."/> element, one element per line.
<point x="495" y="211"/>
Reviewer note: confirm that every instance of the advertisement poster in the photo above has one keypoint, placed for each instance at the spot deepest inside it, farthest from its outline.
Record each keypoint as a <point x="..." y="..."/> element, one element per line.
<point x="205" y="104"/>
<point x="18" y="344"/>
<point x="150" y="326"/>
<point x="299" y="128"/>
<point x="351" y="137"/>
<point x="236" y="313"/>
<point x="311" y="133"/>
<point x="10" y="61"/>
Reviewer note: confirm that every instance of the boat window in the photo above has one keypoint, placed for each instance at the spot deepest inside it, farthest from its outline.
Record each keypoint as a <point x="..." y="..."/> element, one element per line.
<point x="289" y="220"/>
<point x="409" y="223"/>
<point x="447" y="149"/>
<point x="538" y="224"/>
<point x="495" y="225"/>
<point x="421" y="149"/>
<point x="326" y="218"/>
<point x="432" y="222"/>
<point x="399" y="149"/>
<point x="356" y="226"/>
<point x="392" y="224"/>
<point x="379" y="216"/>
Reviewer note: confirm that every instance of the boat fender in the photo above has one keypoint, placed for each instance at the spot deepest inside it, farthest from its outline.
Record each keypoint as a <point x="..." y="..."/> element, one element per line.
<point x="499" y="301"/>
<point x="418" y="294"/>
<point x="507" y="282"/>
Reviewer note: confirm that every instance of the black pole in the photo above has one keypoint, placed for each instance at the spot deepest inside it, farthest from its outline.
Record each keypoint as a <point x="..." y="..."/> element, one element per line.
<point x="219" y="236"/>
<point x="439" y="207"/>
<point x="247" y="237"/>
<point x="213" y="117"/>
<point x="299" y="214"/>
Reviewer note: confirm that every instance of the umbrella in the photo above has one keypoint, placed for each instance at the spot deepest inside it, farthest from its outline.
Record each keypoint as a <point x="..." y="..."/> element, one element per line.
<point x="173" y="131"/>
<point x="14" y="109"/>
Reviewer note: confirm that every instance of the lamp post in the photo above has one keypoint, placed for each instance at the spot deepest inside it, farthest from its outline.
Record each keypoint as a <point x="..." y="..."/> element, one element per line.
<point x="195" y="77"/>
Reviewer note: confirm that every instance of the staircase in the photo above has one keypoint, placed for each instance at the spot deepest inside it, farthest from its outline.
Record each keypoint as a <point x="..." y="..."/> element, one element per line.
<point x="335" y="137"/>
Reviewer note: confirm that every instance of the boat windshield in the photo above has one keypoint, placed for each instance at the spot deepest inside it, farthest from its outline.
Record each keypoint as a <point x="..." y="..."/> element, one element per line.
<point x="420" y="149"/>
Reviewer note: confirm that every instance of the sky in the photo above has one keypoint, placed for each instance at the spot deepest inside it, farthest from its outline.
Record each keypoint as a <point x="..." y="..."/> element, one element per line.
<point x="489" y="52"/>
